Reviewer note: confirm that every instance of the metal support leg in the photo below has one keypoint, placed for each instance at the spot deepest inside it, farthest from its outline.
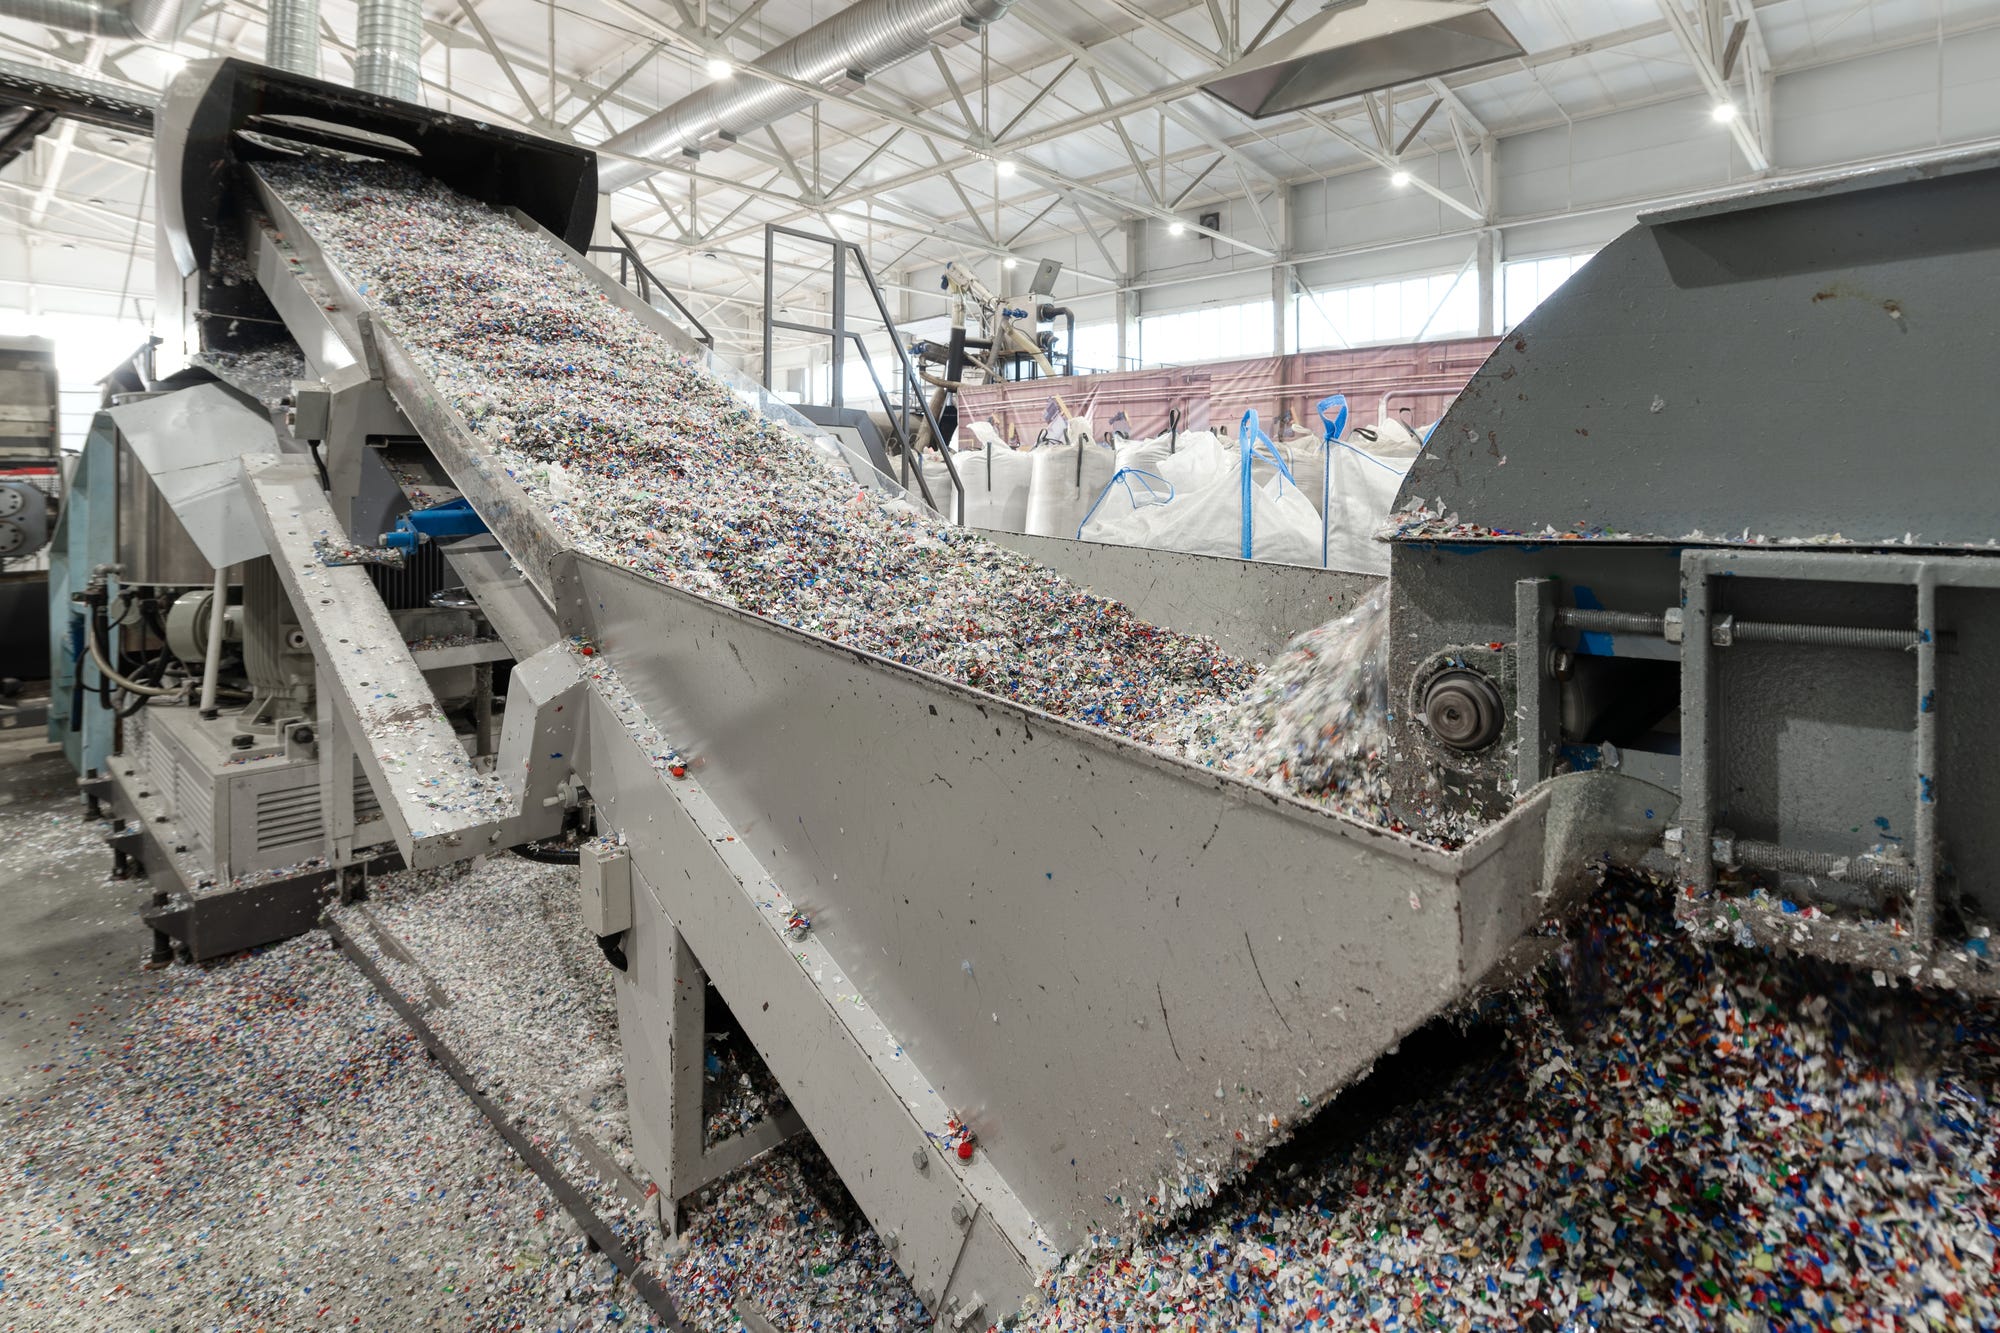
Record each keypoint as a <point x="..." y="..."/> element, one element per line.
<point x="336" y="777"/>
<point x="1535" y="686"/>
<point x="1697" y="734"/>
<point x="1923" y="907"/>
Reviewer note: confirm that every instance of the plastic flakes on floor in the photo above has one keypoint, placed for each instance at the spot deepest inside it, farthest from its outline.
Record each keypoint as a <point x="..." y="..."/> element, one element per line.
<point x="1678" y="1138"/>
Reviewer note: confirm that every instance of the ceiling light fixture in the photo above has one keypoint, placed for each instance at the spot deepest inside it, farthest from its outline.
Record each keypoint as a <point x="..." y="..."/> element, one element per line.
<point x="1009" y="262"/>
<point x="1176" y="228"/>
<point x="1724" y="112"/>
<point x="718" y="68"/>
<point x="1005" y="167"/>
<point x="1400" y="180"/>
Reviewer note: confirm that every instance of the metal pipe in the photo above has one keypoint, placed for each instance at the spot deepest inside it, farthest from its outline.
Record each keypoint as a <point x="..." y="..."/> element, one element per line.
<point x="388" y="34"/>
<point x="291" y="36"/>
<point x="218" y="605"/>
<point x="856" y="44"/>
<point x="157" y="21"/>
<point x="1728" y="630"/>
<point x="1861" y="871"/>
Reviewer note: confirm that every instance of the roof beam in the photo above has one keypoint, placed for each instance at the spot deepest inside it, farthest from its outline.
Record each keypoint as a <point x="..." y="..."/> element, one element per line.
<point x="1742" y="126"/>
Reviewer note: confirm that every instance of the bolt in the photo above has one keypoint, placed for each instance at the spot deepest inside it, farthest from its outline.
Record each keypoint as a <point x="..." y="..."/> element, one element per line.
<point x="921" y="1159"/>
<point x="960" y="1217"/>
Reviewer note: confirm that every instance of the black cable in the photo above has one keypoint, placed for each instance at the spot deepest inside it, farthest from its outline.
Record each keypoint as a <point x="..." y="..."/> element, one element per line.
<point x="529" y="851"/>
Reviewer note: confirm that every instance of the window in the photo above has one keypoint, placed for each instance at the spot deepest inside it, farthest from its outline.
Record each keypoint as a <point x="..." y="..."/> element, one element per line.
<point x="1097" y="347"/>
<point x="88" y="347"/>
<point x="1527" y="283"/>
<point x="1440" y="305"/>
<point x="1212" y="333"/>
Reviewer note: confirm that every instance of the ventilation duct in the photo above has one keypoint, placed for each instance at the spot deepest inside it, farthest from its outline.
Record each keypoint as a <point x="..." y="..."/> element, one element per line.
<point x="388" y="35"/>
<point x="1361" y="46"/>
<point x="291" y="37"/>
<point x="158" y="21"/>
<point x="837" y="55"/>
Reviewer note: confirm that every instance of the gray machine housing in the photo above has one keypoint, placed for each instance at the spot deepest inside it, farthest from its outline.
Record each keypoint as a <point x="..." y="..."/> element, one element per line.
<point x="1720" y="515"/>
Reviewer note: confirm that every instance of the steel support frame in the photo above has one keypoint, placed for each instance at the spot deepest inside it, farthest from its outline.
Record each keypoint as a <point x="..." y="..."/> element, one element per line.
<point x="662" y="1018"/>
<point x="956" y="1228"/>
<point x="1703" y="572"/>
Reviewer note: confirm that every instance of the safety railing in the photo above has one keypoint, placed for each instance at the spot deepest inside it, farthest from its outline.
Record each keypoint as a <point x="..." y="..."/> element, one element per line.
<point x="636" y="277"/>
<point x="838" y="335"/>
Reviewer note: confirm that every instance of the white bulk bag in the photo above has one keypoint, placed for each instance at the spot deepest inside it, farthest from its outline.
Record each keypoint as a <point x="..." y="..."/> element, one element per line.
<point x="1216" y="514"/>
<point x="1065" y="481"/>
<point x="996" y="486"/>
<point x="1361" y="487"/>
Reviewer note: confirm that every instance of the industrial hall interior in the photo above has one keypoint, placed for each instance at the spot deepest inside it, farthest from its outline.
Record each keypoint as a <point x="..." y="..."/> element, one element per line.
<point x="1076" y="666"/>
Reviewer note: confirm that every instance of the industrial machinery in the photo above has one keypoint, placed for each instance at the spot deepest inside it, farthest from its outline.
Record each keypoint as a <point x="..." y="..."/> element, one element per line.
<point x="1125" y="975"/>
<point x="1003" y="342"/>
<point x="240" y="801"/>
<point x="1667" y="531"/>
<point x="30" y="484"/>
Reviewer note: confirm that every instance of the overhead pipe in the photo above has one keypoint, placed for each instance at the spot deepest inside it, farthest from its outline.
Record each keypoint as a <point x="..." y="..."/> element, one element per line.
<point x="838" y="55"/>
<point x="388" y="36"/>
<point x="291" y="36"/>
<point x="158" y="21"/>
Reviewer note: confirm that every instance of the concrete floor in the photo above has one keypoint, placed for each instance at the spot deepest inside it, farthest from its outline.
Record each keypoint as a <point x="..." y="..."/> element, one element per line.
<point x="73" y="938"/>
<point x="256" y="1143"/>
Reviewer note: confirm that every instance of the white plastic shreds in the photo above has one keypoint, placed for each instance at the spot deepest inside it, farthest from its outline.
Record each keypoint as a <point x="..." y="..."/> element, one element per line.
<point x="644" y="459"/>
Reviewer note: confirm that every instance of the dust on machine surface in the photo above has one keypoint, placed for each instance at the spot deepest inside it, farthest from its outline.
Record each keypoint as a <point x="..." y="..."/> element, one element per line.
<point x="1043" y="899"/>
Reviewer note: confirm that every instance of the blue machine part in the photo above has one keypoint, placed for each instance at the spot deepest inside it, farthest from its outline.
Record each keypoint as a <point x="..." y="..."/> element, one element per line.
<point x="86" y="536"/>
<point x="454" y="518"/>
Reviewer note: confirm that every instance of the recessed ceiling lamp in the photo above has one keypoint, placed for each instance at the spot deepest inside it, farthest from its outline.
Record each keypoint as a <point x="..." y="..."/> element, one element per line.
<point x="1362" y="46"/>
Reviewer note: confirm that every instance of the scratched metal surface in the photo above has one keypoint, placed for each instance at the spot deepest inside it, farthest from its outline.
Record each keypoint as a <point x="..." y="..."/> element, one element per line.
<point x="1791" y="365"/>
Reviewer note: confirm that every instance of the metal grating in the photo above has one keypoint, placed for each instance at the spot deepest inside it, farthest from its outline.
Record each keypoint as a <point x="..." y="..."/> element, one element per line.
<point x="287" y="816"/>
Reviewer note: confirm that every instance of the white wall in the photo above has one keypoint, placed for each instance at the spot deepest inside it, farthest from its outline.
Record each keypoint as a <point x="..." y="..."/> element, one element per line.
<point x="1574" y="187"/>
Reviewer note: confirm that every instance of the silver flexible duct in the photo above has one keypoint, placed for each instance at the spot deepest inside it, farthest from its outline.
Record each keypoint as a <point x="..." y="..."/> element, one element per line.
<point x="388" y="34"/>
<point x="133" y="21"/>
<point x="291" y="36"/>
<point x="866" y="38"/>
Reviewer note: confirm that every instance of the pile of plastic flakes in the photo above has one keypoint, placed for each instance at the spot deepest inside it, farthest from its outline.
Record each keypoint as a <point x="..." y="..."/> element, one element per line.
<point x="498" y="959"/>
<point x="1673" y="1137"/>
<point x="738" y="1092"/>
<point x="262" y="1144"/>
<point x="265" y="373"/>
<point x="496" y="952"/>
<point x="783" y="1235"/>
<point x="648" y="460"/>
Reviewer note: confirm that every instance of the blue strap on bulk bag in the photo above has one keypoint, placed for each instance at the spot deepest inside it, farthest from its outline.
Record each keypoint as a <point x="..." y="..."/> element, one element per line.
<point x="1128" y="475"/>
<point x="1336" y="426"/>
<point x="1248" y="437"/>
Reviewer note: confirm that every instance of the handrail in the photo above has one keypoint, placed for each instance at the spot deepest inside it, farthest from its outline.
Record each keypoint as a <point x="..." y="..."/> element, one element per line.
<point x="628" y="253"/>
<point x="838" y="333"/>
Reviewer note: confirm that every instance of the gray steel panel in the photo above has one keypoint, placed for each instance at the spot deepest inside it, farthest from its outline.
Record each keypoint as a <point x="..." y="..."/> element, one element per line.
<point x="1727" y="371"/>
<point x="439" y="805"/>
<point x="1252" y="608"/>
<point x="188" y="444"/>
<point x="1001" y="877"/>
<point x="870" y="1105"/>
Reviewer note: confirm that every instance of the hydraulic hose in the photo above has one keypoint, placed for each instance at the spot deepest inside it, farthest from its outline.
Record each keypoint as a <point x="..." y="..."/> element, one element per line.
<point x="104" y="668"/>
